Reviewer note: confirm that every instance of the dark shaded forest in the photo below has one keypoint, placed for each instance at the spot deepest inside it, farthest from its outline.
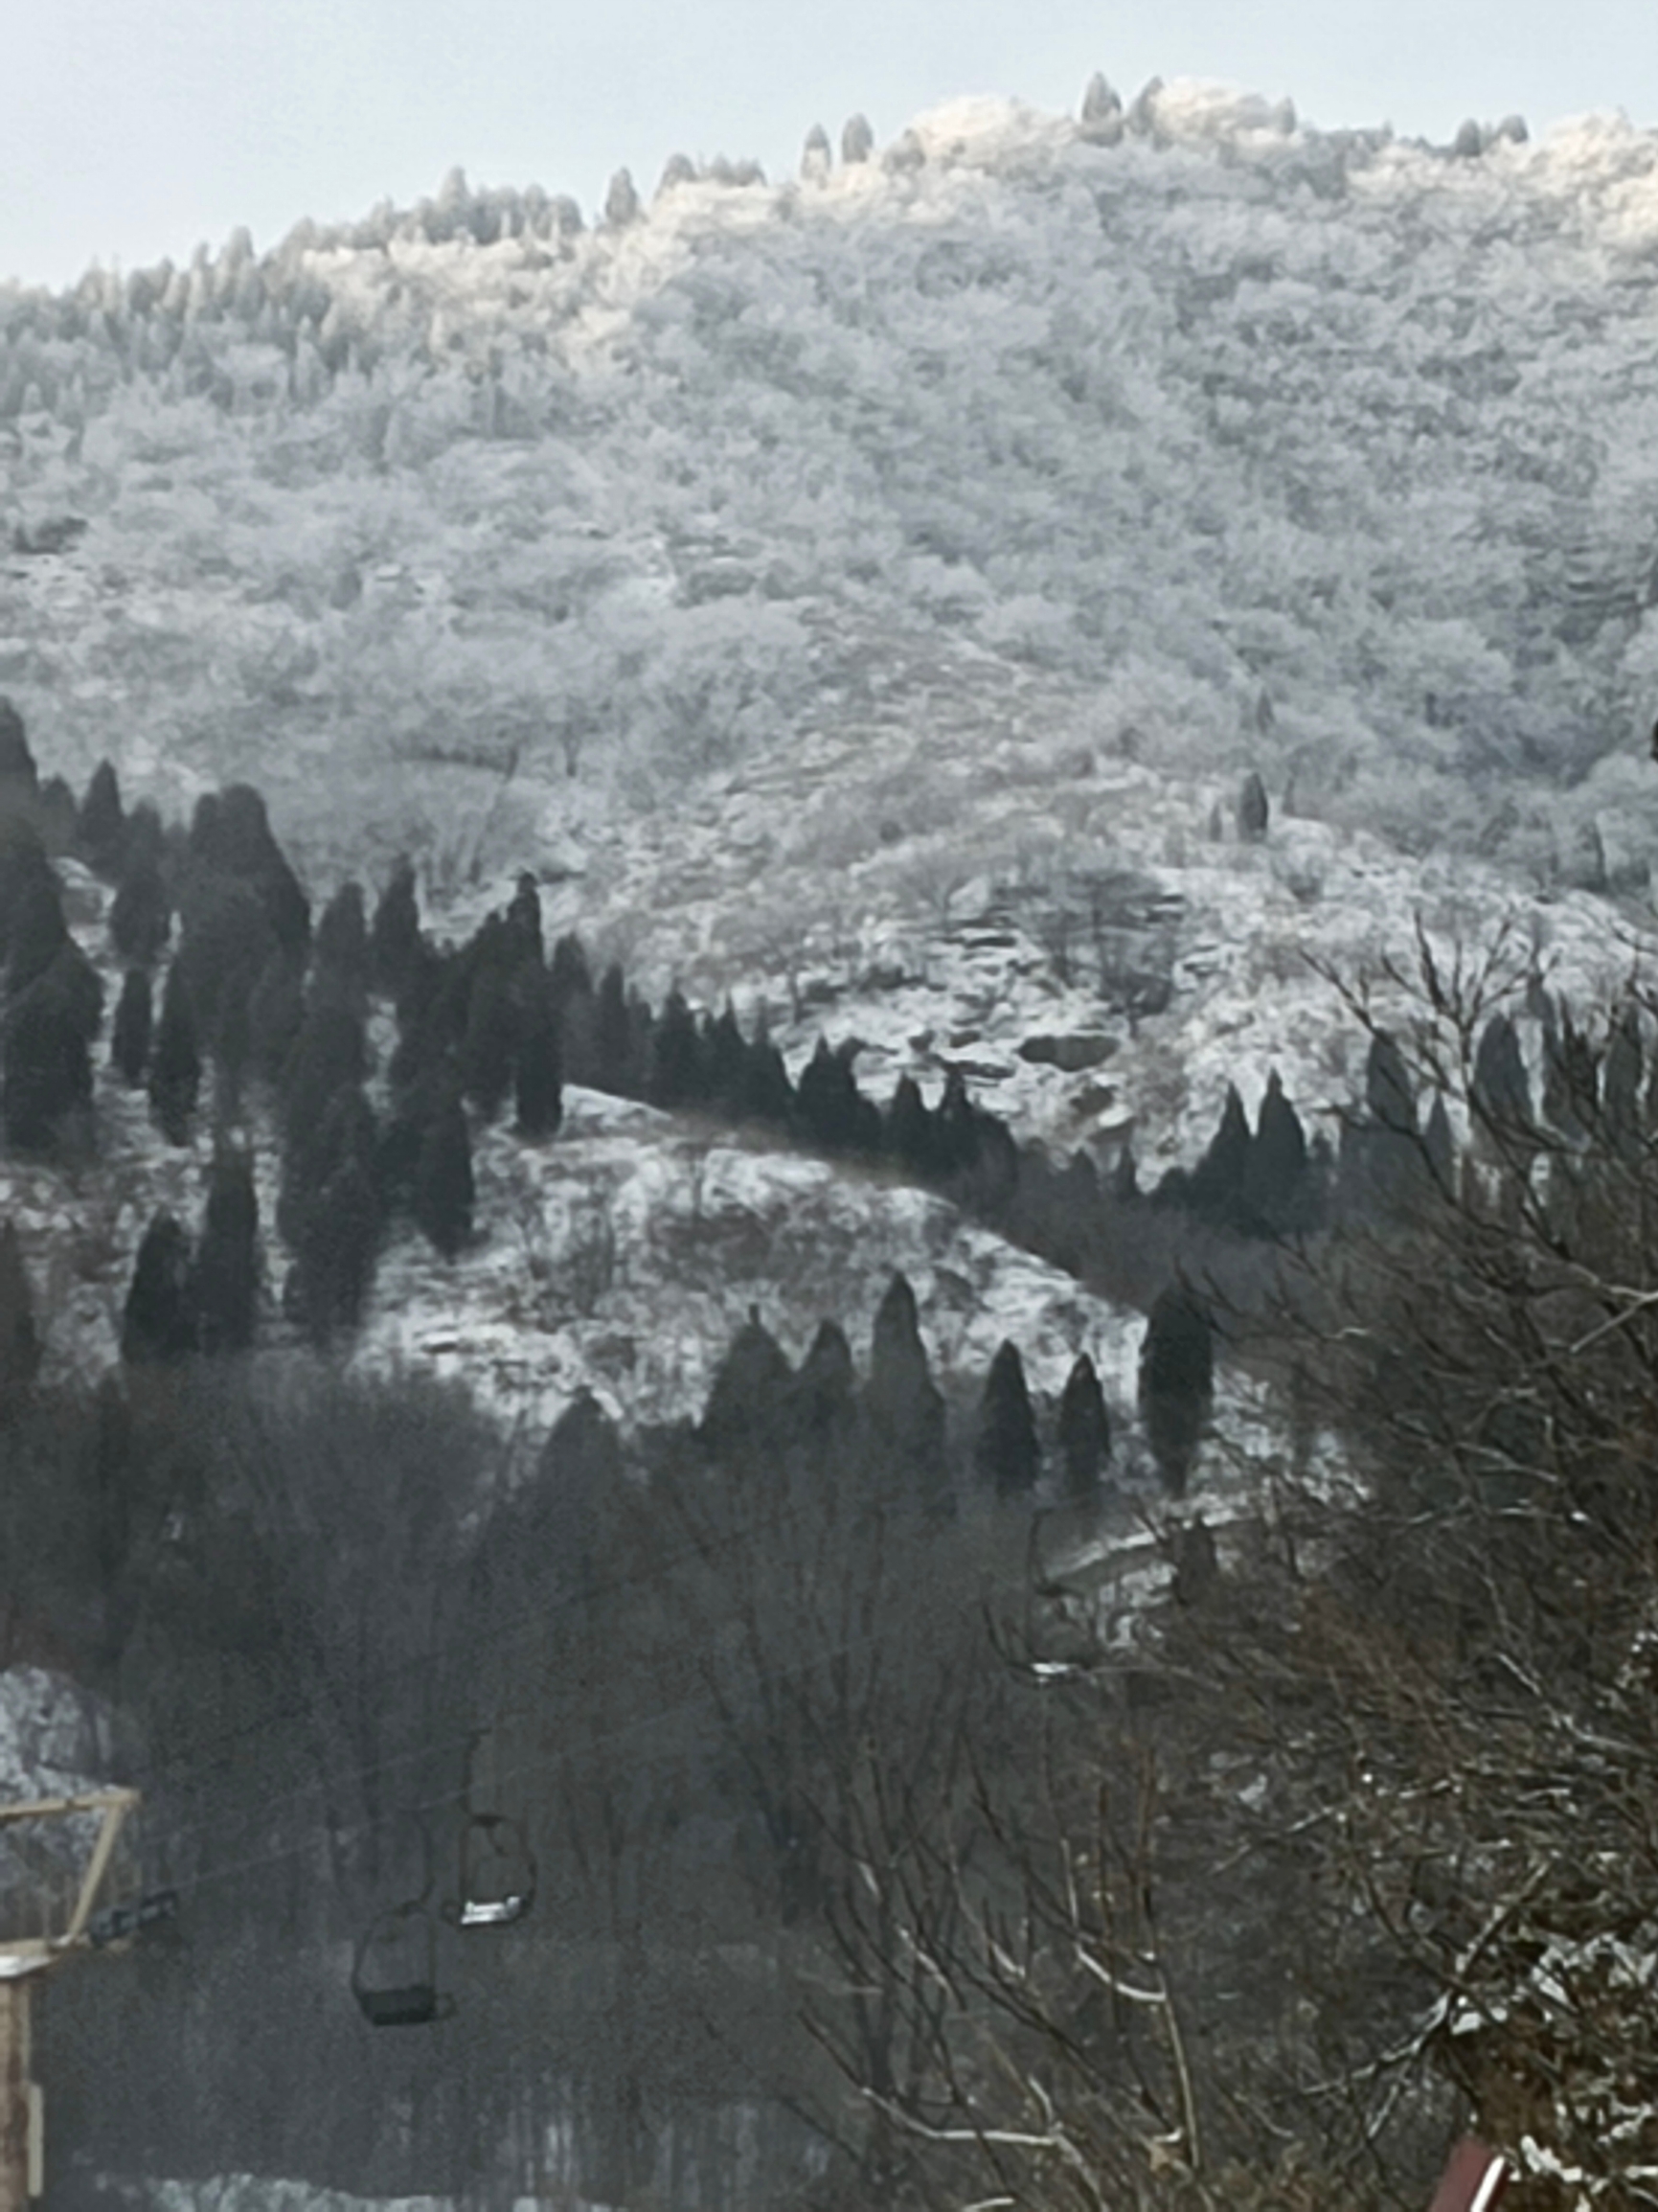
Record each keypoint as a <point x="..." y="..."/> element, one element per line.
<point x="778" y="1808"/>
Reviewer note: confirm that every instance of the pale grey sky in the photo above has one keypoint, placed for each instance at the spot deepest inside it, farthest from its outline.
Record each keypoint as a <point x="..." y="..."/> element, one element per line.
<point x="135" y="128"/>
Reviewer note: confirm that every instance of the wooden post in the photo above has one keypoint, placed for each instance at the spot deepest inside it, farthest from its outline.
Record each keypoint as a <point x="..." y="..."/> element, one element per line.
<point x="15" y="2101"/>
<point x="22" y="2135"/>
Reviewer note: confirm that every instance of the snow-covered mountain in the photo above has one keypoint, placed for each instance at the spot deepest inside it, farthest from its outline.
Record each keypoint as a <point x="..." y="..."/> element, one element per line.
<point x="1257" y="442"/>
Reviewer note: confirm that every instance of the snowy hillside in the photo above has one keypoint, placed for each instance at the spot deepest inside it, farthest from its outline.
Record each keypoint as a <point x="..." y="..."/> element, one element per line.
<point x="1321" y="451"/>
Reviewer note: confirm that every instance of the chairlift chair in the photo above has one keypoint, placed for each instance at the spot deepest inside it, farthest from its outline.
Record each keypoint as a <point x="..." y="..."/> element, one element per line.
<point x="497" y="1874"/>
<point x="394" y="1973"/>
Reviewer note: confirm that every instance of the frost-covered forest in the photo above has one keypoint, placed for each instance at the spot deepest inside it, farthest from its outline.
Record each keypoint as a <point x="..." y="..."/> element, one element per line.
<point x="1243" y="438"/>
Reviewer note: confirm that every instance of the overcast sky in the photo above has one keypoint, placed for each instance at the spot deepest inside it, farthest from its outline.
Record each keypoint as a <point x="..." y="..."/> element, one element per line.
<point x="135" y="128"/>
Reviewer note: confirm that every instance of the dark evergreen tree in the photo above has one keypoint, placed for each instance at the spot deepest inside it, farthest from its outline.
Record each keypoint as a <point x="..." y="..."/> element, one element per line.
<point x="19" y="780"/>
<point x="910" y="1140"/>
<point x="956" y="1129"/>
<point x="524" y="921"/>
<point x="99" y="824"/>
<point x="443" y="1194"/>
<point x="329" y="1055"/>
<point x="54" y="815"/>
<point x="141" y="913"/>
<point x="394" y="940"/>
<point x="905" y="1407"/>
<point x="827" y="1100"/>
<point x="46" y="1071"/>
<point x="225" y="946"/>
<point x="225" y="1284"/>
<point x="538" y="1070"/>
<point x="129" y="1043"/>
<point x="822" y="1403"/>
<point x="27" y="877"/>
<point x="1177" y="1380"/>
<point x="570" y="982"/>
<point x="570" y="1513"/>
<point x="1501" y="1093"/>
<point x="19" y="1339"/>
<point x="485" y="1055"/>
<point x="1274" y="1190"/>
<point x="276" y="1014"/>
<point x="333" y="1270"/>
<point x="1215" y="1190"/>
<point x="1389" y="1096"/>
<point x="1084" y="1431"/>
<point x="1006" y="1454"/>
<point x="341" y="947"/>
<point x="37" y="932"/>
<point x="175" y="1062"/>
<point x="768" y="1094"/>
<point x="677" y="1078"/>
<point x="158" y="1326"/>
<point x="1253" y="810"/>
<point x="614" y="1068"/>
<point x="748" y="1404"/>
<point x="724" y="1058"/>
<point x="231" y="836"/>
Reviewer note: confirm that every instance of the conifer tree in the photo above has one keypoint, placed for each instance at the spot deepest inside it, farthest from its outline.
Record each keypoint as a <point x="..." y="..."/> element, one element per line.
<point x="768" y="1094"/>
<point x="175" y="1062"/>
<point x="1253" y="811"/>
<point x="827" y="1100"/>
<point x="47" y="1072"/>
<point x="39" y="932"/>
<point x="1275" y="1173"/>
<point x="100" y="825"/>
<point x="329" y="1055"/>
<point x="1501" y="1092"/>
<point x="614" y="1070"/>
<point x="955" y="1129"/>
<point x="1084" y="1431"/>
<point x="906" y="1409"/>
<point x="225" y="1284"/>
<point x="158" y="1326"/>
<point x="724" y="1060"/>
<point x="276" y="1014"/>
<point x="909" y="1131"/>
<point x="329" y="1285"/>
<point x="538" y="1073"/>
<point x="19" y="1339"/>
<point x="1006" y="1454"/>
<point x="524" y="921"/>
<point x="394" y="940"/>
<point x="341" y="947"/>
<point x="141" y="913"/>
<point x="130" y="1041"/>
<point x="1215" y="1190"/>
<point x="19" y="779"/>
<point x="443" y="1193"/>
<point x="1389" y="1098"/>
<point x="748" y="1403"/>
<point x="1176" y="1379"/>
<point x="823" y="1406"/>
<point x="676" y="1071"/>
<point x="570" y="973"/>
<point x="486" y="1054"/>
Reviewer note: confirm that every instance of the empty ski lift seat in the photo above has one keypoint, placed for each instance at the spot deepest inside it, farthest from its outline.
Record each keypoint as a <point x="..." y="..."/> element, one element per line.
<point x="497" y="1874"/>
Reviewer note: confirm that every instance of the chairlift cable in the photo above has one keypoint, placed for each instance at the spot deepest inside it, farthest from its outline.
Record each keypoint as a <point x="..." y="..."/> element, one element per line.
<point x="531" y="1617"/>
